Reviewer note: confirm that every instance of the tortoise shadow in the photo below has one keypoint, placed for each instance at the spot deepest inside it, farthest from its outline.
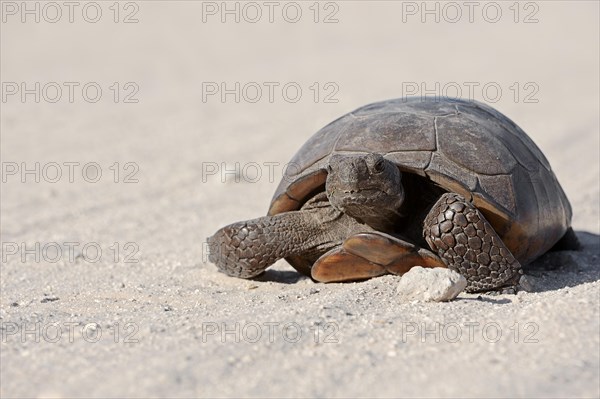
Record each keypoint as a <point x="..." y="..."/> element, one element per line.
<point x="552" y="271"/>
<point x="561" y="269"/>
<point x="281" y="276"/>
<point x="485" y="298"/>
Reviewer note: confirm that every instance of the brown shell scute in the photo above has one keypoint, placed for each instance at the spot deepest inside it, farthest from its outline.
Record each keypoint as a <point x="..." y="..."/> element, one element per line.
<point x="470" y="145"/>
<point x="415" y="131"/>
<point x="502" y="185"/>
<point x="522" y="147"/>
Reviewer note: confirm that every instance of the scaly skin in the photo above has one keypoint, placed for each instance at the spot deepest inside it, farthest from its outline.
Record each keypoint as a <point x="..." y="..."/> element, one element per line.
<point x="245" y="249"/>
<point x="459" y="233"/>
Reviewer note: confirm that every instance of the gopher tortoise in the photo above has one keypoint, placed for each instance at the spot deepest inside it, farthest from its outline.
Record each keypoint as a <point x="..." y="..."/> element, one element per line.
<point x="405" y="182"/>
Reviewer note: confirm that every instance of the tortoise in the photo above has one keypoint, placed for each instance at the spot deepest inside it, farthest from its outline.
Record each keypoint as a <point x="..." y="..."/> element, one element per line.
<point x="405" y="182"/>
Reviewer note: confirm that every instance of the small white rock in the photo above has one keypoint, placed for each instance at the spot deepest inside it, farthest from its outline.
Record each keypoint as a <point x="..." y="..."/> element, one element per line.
<point x="431" y="284"/>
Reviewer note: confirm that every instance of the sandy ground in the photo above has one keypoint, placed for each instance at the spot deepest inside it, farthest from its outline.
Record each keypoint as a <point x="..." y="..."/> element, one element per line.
<point x="147" y="316"/>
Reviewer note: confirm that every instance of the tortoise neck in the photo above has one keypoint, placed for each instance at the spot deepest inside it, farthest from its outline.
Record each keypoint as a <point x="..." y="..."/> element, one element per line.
<point x="386" y="221"/>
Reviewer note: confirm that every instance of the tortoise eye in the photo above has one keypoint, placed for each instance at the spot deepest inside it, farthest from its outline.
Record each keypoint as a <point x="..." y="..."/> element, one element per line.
<point x="379" y="166"/>
<point x="328" y="168"/>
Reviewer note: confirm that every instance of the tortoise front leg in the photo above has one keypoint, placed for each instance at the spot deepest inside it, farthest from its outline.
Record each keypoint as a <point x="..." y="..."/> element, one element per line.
<point x="246" y="249"/>
<point x="462" y="237"/>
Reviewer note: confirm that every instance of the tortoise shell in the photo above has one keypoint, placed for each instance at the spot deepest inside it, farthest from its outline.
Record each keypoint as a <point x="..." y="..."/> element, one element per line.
<point x="462" y="146"/>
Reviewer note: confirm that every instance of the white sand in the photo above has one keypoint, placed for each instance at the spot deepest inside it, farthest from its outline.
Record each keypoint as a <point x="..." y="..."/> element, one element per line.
<point x="369" y="344"/>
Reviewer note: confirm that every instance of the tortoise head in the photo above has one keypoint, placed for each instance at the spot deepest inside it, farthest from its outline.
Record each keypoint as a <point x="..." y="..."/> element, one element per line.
<point x="366" y="187"/>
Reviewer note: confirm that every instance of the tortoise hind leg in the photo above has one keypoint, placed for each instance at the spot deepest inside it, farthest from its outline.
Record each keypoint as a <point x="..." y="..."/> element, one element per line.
<point x="568" y="242"/>
<point x="461" y="235"/>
